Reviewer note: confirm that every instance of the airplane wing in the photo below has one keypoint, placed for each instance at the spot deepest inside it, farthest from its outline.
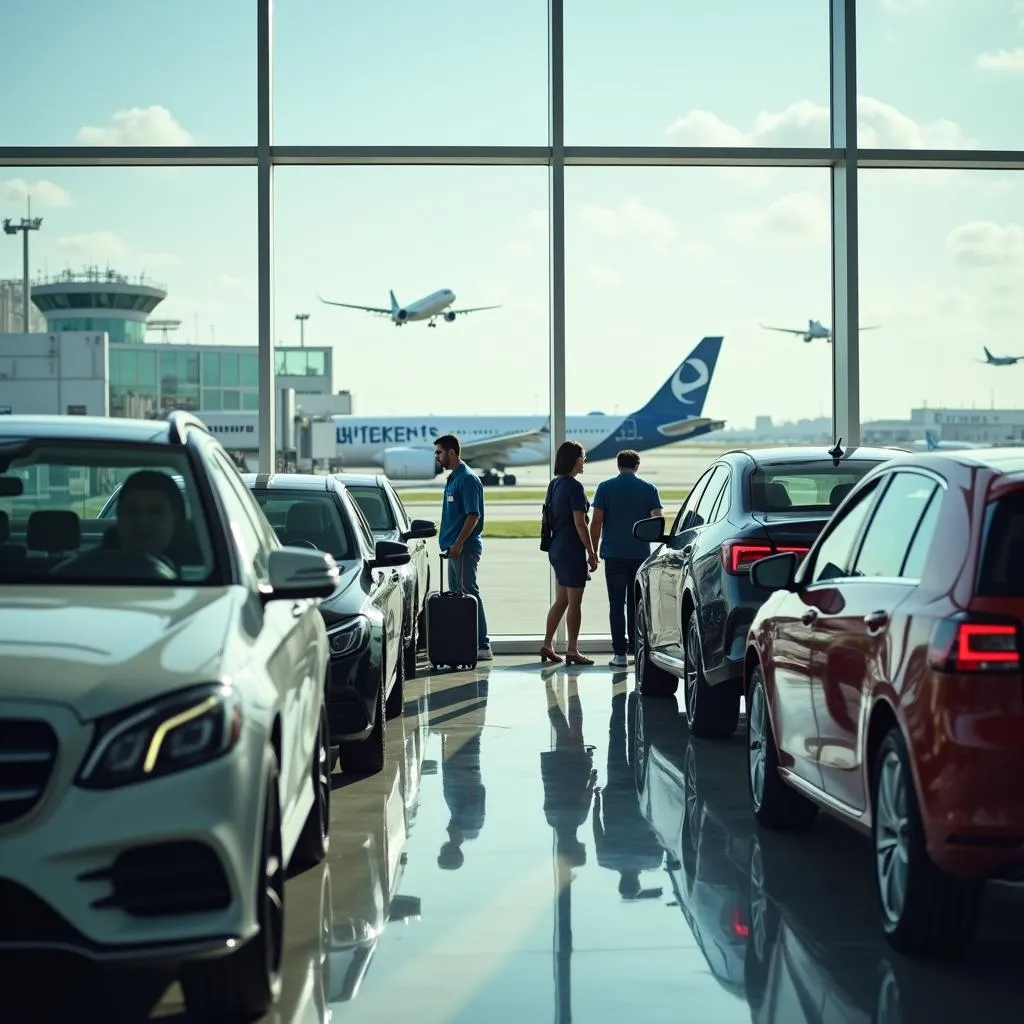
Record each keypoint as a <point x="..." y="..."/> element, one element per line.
<point x="366" y="309"/>
<point x="472" y="309"/>
<point x="499" y="446"/>
<point x="683" y="428"/>
<point x="786" y="330"/>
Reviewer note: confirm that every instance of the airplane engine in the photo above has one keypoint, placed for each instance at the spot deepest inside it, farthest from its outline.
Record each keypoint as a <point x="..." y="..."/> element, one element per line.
<point x="450" y="317"/>
<point x="410" y="464"/>
<point x="402" y="314"/>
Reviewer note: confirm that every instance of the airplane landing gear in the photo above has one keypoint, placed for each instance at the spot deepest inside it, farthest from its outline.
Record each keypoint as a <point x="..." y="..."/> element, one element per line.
<point x="431" y="323"/>
<point x="492" y="478"/>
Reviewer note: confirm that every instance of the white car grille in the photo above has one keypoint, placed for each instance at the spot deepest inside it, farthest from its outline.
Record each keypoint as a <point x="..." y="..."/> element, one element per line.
<point x="28" y="751"/>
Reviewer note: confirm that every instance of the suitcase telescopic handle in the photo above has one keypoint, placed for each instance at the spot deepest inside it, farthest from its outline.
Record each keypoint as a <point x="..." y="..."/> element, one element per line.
<point x="462" y="574"/>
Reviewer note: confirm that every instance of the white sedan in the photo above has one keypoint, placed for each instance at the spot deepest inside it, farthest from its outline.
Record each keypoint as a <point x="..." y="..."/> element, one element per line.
<point x="163" y="733"/>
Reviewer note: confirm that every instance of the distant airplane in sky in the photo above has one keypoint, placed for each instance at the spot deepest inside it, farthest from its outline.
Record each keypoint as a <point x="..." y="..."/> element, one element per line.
<point x="814" y="331"/>
<point x="992" y="360"/>
<point x="403" y="445"/>
<point x="931" y="443"/>
<point x="429" y="308"/>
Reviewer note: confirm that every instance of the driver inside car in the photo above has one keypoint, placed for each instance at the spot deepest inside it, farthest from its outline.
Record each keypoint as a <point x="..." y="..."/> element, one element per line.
<point x="150" y="514"/>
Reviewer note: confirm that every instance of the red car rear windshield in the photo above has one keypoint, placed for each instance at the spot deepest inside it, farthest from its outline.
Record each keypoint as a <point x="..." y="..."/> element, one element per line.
<point x="1002" y="561"/>
<point x="817" y="486"/>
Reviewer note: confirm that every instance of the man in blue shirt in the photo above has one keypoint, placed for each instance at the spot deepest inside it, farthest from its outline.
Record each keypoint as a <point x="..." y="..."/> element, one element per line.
<point x="462" y="523"/>
<point x="619" y="503"/>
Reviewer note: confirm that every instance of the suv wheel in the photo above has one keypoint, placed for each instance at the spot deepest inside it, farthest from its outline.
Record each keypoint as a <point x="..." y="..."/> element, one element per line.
<point x="711" y="711"/>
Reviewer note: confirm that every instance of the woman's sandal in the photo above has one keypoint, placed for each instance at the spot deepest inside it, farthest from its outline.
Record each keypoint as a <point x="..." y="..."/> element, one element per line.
<point x="547" y="654"/>
<point x="577" y="659"/>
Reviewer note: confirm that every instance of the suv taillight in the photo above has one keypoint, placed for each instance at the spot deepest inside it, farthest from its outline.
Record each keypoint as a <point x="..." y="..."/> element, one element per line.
<point x="968" y="645"/>
<point x="739" y="555"/>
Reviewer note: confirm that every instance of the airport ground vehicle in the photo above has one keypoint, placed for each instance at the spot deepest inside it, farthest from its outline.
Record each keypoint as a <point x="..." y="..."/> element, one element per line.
<point x="364" y="615"/>
<point x="163" y="730"/>
<point x="384" y="511"/>
<point x="885" y="685"/>
<point x="694" y="598"/>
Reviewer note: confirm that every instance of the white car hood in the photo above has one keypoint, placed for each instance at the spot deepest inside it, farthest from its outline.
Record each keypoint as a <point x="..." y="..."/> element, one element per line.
<point x="100" y="649"/>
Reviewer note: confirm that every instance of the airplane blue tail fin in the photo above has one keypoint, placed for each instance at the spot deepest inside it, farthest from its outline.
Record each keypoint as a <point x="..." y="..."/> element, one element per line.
<point x="931" y="440"/>
<point x="395" y="307"/>
<point x="682" y="395"/>
<point x="988" y="355"/>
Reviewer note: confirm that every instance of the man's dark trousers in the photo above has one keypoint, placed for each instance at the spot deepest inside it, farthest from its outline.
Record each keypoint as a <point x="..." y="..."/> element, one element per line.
<point x="619" y="574"/>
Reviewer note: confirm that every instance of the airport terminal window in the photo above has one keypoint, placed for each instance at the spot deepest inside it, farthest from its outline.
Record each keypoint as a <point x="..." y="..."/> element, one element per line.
<point x="229" y="369"/>
<point x="249" y="372"/>
<point x="117" y="331"/>
<point x="300" y="362"/>
<point x="211" y="369"/>
<point x="250" y="401"/>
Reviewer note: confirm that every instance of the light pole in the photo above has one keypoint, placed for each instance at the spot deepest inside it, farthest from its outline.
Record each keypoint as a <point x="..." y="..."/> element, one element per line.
<point x="26" y="225"/>
<point x="302" y="318"/>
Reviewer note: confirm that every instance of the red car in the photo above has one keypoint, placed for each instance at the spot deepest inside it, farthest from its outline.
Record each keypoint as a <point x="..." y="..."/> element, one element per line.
<point x="884" y="685"/>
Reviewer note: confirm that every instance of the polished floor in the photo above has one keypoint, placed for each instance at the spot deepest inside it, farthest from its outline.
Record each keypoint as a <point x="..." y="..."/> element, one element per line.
<point x="542" y="845"/>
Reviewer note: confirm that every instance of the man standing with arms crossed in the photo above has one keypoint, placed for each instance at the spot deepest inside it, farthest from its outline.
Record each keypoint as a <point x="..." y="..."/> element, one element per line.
<point x="462" y="523"/>
<point x="619" y="503"/>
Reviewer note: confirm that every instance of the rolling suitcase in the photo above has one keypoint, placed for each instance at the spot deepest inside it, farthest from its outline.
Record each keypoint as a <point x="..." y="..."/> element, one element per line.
<point x="451" y="626"/>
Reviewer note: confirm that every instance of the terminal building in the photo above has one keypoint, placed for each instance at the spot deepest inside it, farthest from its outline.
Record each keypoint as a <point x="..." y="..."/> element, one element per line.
<point x="92" y="357"/>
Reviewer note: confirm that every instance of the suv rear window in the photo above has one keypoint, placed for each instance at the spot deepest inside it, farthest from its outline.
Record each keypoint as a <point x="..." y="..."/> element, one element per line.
<point x="817" y="486"/>
<point x="1002" y="563"/>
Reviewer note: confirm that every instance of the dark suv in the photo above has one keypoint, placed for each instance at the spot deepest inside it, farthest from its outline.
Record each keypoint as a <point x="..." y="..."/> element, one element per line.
<point x="694" y="598"/>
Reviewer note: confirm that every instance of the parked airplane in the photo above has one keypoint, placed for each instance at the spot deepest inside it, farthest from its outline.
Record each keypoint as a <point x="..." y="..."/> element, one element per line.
<point x="814" y="331"/>
<point x="404" y="445"/>
<point x="931" y="443"/>
<point x="429" y="308"/>
<point x="992" y="360"/>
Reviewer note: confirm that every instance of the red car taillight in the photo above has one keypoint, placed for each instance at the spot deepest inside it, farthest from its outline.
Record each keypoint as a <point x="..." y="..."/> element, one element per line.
<point x="961" y="645"/>
<point x="739" y="555"/>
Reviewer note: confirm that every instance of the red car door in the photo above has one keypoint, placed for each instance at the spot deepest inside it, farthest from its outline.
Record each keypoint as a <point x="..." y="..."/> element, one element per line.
<point x="797" y="731"/>
<point x="859" y="632"/>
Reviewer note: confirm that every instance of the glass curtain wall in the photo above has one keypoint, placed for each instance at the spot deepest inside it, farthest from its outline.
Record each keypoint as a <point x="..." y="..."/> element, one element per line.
<point x="752" y="177"/>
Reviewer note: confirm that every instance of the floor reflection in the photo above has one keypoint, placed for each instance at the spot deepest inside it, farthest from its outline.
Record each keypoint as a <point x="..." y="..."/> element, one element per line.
<point x="642" y="890"/>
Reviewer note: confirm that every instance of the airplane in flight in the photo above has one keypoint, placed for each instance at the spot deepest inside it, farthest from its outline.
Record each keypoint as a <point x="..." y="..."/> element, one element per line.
<point x="404" y="445"/>
<point x="992" y="360"/>
<point x="931" y="443"/>
<point x="814" y="331"/>
<point x="428" y="308"/>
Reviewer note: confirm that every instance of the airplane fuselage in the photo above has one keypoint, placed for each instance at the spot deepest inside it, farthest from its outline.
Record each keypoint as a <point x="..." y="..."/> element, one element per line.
<point x="426" y="308"/>
<point x="364" y="440"/>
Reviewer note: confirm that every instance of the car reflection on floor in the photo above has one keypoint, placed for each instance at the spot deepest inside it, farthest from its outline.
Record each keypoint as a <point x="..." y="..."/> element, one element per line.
<point x="789" y="922"/>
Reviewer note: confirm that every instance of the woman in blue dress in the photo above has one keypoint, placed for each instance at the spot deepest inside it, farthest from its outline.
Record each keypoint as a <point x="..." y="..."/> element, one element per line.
<point x="571" y="554"/>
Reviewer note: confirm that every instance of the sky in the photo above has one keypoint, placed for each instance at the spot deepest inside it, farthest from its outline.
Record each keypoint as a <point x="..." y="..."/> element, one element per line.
<point x="656" y="257"/>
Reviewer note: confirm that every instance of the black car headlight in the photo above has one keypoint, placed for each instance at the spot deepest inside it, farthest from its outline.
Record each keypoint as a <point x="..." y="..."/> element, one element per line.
<point x="168" y="735"/>
<point x="347" y="636"/>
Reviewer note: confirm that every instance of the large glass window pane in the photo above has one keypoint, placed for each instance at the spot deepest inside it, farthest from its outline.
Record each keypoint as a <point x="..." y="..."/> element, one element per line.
<point x="451" y="72"/>
<point x="229" y="369"/>
<point x="249" y="369"/>
<point x="491" y="250"/>
<point x="250" y="401"/>
<point x="146" y="376"/>
<point x="941" y="257"/>
<point x="231" y="399"/>
<point x="211" y="371"/>
<point x="729" y="73"/>
<point x="940" y="75"/>
<point x="132" y="96"/>
<point x="211" y="400"/>
<point x="662" y="262"/>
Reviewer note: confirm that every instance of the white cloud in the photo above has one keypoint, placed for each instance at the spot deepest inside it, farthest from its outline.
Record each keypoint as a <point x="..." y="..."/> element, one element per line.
<point x="1001" y="60"/>
<point x="104" y="246"/>
<point x="805" y="123"/>
<point x="148" y="126"/>
<point x="631" y="218"/>
<point x="801" y="218"/>
<point x="41" y="192"/>
<point x="983" y="244"/>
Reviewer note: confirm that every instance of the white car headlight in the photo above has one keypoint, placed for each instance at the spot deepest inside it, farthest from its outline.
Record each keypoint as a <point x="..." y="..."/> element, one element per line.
<point x="347" y="636"/>
<point x="168" y="735"/>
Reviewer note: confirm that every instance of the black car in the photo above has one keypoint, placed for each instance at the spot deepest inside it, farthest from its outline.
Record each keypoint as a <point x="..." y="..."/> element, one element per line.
<point x="384" y="511"/>
<point x="694" y="597"/>
<point x="364" y="616"/>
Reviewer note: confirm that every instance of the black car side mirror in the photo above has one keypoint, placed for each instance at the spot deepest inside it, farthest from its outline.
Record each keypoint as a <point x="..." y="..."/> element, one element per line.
<point x="420" y="529"/>
<point x="389" y="554"/>
<point x="651" y="530"/>
<point x="776" y="572"/>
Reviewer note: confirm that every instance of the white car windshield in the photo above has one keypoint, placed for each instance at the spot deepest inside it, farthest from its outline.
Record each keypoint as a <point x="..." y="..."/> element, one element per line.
<point x="51" y="497"/>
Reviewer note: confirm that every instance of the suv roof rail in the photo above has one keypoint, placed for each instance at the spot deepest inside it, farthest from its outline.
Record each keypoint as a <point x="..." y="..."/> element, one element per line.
<point x="180" y="422"/>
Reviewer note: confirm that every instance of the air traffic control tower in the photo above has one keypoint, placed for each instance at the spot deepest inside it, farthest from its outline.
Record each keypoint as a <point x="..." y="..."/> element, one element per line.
<point x="98" y="300"/>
